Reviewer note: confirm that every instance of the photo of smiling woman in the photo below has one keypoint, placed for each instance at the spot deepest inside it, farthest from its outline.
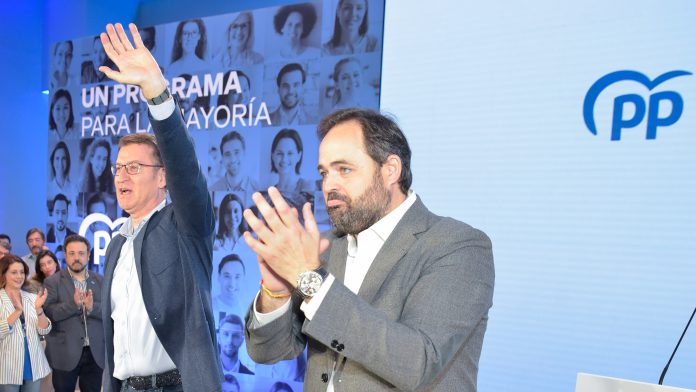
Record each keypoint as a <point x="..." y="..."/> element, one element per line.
<point x="59" y="175"/>
<point x="239" y="50"/>
<point x="231" y="224"/>
<point x="190" y="46"/>
<point x="60" y="115"/>
<point x="350" y="30"/>
<point x="286" y="162"/>
<point x="96" y="168"/>
<point x="293" y="24"/>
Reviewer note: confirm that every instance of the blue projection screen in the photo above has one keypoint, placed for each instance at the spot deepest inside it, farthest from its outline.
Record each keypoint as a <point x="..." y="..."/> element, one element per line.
<point x="593" y="232"/>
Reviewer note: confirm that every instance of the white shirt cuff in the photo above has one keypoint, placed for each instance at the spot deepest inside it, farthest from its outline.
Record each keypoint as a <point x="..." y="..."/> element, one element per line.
<point x="310" y="308"/>
<point x="162" y="111"/>
<point x="261" y="319"/>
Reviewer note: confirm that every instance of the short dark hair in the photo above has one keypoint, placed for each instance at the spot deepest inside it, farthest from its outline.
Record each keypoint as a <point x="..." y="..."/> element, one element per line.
<point x="142" y="138"/>
<point x="76" y="238"/>
<point x="289" y="68"/>
<point x="309" y="17"/>
<point x="293" y="135"/>
<point x="382" y="136"/>
<point x="5" y="236"/>
<point x="234" y="135"/>
<point x="6" y="262"/>
<point x="231" y="258"/>
<point x="58" y="197"/>
<point x="40" y="276"/>
<point x="64" y="147"/>
<point x="35" y="230"/>
<point x="231" y="318"/>
<point x="61" y="93"/>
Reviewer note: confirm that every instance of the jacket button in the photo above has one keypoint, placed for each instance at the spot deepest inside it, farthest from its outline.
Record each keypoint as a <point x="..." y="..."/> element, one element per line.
<point x="156" y="316"/>
<point x="324" y="377"/>
<point x="334" y="343"/>
<point x="340" y="347"/>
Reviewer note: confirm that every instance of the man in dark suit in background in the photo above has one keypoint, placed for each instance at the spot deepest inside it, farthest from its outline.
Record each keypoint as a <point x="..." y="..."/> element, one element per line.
<point x="75" y="346"/>
<point x="159" y="326"/>
<point x="395" y="297"/>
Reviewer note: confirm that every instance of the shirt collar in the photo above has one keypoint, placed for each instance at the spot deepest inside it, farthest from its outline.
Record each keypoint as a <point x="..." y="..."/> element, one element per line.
<point x="384" y="227"/>
<point x="127" y="229"/>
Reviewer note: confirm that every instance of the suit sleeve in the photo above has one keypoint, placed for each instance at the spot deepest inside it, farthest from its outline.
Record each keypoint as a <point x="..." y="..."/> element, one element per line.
<point x="278" y="340"/>
<point x="55" y="309"/>
<point x="442" y="310"/>
<point x="186" y="182"/>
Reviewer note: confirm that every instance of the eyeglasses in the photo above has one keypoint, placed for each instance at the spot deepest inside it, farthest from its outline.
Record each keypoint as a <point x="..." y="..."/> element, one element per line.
<point x="132" y="168"/>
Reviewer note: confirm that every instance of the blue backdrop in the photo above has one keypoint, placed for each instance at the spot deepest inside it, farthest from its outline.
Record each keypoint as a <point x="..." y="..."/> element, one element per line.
<point x="593" y="237"/>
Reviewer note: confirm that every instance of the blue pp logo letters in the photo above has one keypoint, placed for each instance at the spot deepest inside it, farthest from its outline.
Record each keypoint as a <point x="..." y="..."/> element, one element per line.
<point x="621" y="118"/>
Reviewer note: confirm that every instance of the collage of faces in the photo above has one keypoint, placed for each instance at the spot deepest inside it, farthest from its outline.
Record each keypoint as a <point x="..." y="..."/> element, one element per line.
<point x="298" y="61"/>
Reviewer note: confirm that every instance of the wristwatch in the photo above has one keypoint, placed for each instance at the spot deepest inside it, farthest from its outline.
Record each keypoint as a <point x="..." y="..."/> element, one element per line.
<point x="309" y="282"/>
<point x="160" y="98"/>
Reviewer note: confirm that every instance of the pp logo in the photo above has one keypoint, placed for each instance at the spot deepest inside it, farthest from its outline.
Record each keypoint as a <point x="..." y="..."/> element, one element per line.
<point x="621" y="118"/>
<point x="105" y="229"/>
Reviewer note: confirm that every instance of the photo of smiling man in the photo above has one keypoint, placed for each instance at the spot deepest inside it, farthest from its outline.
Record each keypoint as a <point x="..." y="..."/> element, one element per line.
<point x="291" y="81"/>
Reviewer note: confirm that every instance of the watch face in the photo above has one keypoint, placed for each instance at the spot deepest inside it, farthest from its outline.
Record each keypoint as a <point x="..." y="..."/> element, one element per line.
<point x="309" y="283"/>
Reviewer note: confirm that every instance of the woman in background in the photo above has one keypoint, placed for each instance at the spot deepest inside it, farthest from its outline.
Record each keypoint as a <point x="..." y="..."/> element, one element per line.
<point x="60" y="172"/>
<point x="60" y="115"/>
<point x="46" y="265"/>
<point x="240" y="41"/>
<point x="348" y="84"/>
<point x="190" y="46"/>
<point x="350" y="30"/>
<point x="293" y="23"/>
<point x="60" y="70"/>
<point x="231" y="226"/>
<point x="22" y="360"/>
<point x="96" y="174"/>
<point x="286" y="160"/>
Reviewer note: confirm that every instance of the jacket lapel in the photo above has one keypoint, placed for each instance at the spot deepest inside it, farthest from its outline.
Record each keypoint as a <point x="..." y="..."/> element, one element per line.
<point x="395" y="247"/>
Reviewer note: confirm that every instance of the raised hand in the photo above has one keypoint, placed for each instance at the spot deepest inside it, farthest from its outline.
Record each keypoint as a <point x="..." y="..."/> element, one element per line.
<point x="135" y="63"/>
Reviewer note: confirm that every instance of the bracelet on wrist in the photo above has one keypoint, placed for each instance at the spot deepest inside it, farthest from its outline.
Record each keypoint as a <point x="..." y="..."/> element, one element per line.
<point x="277" y="294"/>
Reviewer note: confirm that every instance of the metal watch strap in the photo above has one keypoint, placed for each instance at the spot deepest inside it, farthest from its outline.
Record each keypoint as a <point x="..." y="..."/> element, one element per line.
<point x="160" y="98"/>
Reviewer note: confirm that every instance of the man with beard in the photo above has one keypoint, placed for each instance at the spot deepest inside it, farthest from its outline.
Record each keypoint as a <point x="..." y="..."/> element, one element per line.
<point x="75" y="346"/>
<point x="395" y="297"/>
<point x="233" y="150"/>
<point x="230" y="339"/>
<point x="60" y="229"/>
<point x="36" y="242"/>
<point x="291" y="111"/>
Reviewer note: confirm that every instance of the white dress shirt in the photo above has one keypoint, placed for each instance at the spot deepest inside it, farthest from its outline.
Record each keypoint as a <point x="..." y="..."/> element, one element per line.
<point x="137" y="349"/>
<point x="362" y="250"/>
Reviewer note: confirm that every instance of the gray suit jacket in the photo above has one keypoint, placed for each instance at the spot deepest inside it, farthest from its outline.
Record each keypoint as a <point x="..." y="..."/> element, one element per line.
<point x="64" y="343"/>
<point x="417" y="322"/>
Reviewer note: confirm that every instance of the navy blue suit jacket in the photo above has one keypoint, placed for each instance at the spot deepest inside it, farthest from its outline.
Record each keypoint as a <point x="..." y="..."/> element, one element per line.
<point x="173" y="259"/>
